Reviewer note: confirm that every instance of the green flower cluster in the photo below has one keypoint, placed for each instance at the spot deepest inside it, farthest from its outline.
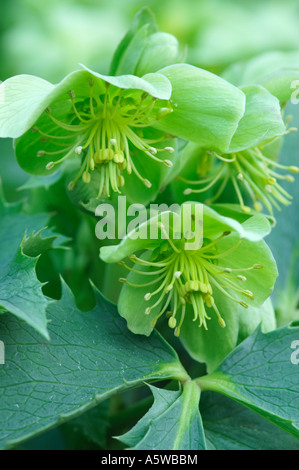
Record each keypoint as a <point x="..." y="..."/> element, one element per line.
<point x="153" y="122"/>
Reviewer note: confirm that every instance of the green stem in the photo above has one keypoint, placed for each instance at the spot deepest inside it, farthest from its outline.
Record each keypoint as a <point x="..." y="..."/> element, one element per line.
<point x="172" y="370"/>
<point x="191" y="397"/>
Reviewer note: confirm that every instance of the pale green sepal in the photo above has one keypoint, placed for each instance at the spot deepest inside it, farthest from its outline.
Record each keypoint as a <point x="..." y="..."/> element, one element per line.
<point x="261" y="122"/>
<point x="207" y="109"/>
<point x="20" y="103"/>
<point x="155" y="84"/>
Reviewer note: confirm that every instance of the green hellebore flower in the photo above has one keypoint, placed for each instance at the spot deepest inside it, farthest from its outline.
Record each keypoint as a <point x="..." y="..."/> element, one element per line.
<point x="169" y="276"/>
<point x="245" y="166"/>
<point x="99" y="119"/>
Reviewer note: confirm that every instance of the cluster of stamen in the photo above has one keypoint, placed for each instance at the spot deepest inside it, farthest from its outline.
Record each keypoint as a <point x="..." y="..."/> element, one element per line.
<point x="184" y="277"/>
<point x="248" y="171"/>
<point x="103" y="130"/>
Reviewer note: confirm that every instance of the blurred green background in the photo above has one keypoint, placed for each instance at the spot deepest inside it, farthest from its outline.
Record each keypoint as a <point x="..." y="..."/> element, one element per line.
<point x="49" y="38"/>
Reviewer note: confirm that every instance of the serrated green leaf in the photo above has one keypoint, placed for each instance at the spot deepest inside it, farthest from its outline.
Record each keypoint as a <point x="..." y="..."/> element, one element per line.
<point x="20" y="290"/>
<point x="230" y="426"/>
<point x="91" y="356"/>
<point x="260" y="374"/>
<point x="163" y="399"/>
<point x="207" y="109"/>
<point x="173" y="422"/>
<point x="35" y="244"/>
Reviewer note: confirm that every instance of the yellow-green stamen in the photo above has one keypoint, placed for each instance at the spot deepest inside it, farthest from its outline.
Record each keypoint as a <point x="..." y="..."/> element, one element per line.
<point x="104" y="132"/>
<point x="189" y="277"/>
<point x="252" y="171"/>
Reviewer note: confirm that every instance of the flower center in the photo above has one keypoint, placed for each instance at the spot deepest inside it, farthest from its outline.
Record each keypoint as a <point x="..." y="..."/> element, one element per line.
<point x="105" y="130"/>
<point x="253" y="172"/>
<point x="190" y="277"/>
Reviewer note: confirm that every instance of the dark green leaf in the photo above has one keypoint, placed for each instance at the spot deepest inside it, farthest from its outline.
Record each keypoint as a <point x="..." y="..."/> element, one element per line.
<point x="172" y="423"/>
<point x="283" y="240"/>
<point x="230" y="426"/>
<point x="261" y="375"/>
<point x="92" y="425"/>
<point x="91" y="356"/>
<point x="21" y="241"/>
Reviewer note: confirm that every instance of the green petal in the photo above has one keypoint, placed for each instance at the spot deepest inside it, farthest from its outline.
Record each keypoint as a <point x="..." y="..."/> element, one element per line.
<point x="234" y="211"/>
<point x="20" y="99"/>
<point x="250" y="319"/>
<point x="157" y="173"/>
<point x="214" y="345"/>
<point x="261" y="122"/>
<point x="129" y="245"/>
<point x="132" y="305"/>
<point x="29" y="144"/>
<point x="214" y="224"/>
<point x="259" y="281"/>
<point x="155" y="84"/>
<point x="273" y="70"/>
<point x="144" y="49"/>
<point x="58" y="99"/>
<point x="25" y="112"/>
<point x="130" y="48"/>
<point x="282" y="85"/>
<point x="161" y="50"/>
<point x="207" y="109"/>
<point x="254" y="229"/>
<point x="24" y="98"/>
